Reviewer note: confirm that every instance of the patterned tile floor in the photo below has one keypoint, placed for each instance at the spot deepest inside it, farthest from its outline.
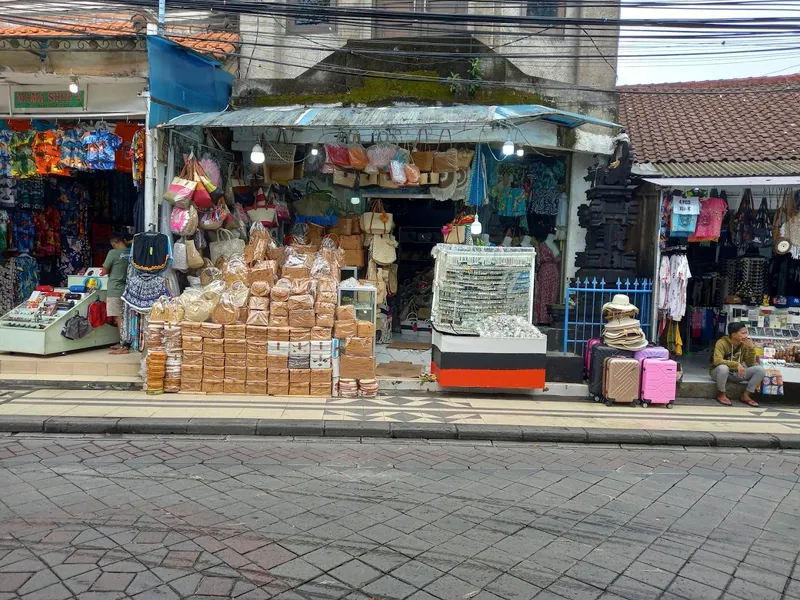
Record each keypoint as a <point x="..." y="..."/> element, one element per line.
<point x="772" y="417"/>
<point x="173" y="519"/>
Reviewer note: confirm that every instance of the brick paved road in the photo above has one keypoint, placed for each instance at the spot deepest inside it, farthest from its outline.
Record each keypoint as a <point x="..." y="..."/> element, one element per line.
<point x="318" y="520"/>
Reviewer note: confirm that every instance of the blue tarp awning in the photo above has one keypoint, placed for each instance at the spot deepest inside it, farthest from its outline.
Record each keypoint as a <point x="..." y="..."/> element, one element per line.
<point x="384" y="117"/>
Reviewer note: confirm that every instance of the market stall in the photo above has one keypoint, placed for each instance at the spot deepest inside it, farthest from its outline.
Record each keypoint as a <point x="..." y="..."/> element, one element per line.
<point x="729" y="252"/>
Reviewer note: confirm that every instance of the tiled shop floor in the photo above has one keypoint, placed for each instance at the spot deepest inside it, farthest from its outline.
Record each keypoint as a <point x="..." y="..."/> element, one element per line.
<point x="771" y="417"/>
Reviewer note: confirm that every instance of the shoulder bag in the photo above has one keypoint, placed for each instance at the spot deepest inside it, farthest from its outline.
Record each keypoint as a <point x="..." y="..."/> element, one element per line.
<point x="422" y="158"/>
<point x="762" y="230"/>
<point x="377" y="220"/>
<point x="445" y="161"/>
<point x="226" y="245"/>
<point x="180" y="190"/>
<point x="261" y="212"/>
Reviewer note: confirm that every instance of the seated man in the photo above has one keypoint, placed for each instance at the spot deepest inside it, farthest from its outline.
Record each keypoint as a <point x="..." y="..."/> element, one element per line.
<point x="734" y="359"/>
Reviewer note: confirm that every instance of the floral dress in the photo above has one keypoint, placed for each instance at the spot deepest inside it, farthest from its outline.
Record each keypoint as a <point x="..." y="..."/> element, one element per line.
<point x="547" y="284"/>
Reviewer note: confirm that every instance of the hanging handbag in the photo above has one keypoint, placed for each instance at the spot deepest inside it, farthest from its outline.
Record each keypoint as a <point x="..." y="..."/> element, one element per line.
<point x="204" y="181"/>
<point x="380" y="155"/>
<point x="261" y="213"/>
<point x="337" y="155"/>
<point x="212" y="219"/>
<point x="762" y="230"/>
<point x="793" y="221"/>
<point x="314" y="203"/>
<point x="193" y="257"/>
<point x="781" y="243"/>
<point x="465" y="156"/>
<point x="377" y="220"/>
<point x="357" y="154"/>
<point x="279" y="152"/>
<point x="242" y="191"/>
<point x="183" y="221"/>
<point x="200" y="197"/>
<point x="179" y="260"/>
<point x="445" y="161"/>
<point x="344" y="179"/>
<point x="742" y="222"/>
<point x="181" y="189"/>
<point x="226" y="245"/>
<point x="383" y="249"/>
<point x="422" y="158"/>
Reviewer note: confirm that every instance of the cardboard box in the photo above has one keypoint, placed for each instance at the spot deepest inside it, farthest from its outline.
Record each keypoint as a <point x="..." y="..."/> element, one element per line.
<point x="256" y="333"/>
<point x="321" y="377"/>
<point x="280" y="309"/>
<point x="213" y="345"/>
<point x="278" y="321"/>
<point x="345" y="329"/>
<point x="191" y="372"/>
<point x="299" y="376"/>
<point x="279" y="348"/>
<point x="191" y="328"/>
<point x="212" y="330"/>
<point x="213" y="386"/>
<point x="366" y="329"/>
<point x="299" y="348"/>
<point x="357" y="367"/>
<point x="256" y="348"/>
<point x="235" y="332"/>
<point x="234" y="386"/>
<point x="279" y="376"/>
<point x="235" y="359"/>
<point x="193" y="358"/>
<point x="321" y="334"/>
<point x="237" y="373"/>
<point x="258" y="388"/>
<point x="299" y="389"/>
<point x="258" y="361"/>
<point x="320" y="390"/>
<point x="192" y="343"/>
<point x="300" y="334"/>
<point x="277" y="389"/>
<point x="358" y="346"/>
<point x="325" y="321"/>
<point x="276" y="361"/>
<point x="278" y="334"/>
<point x="191" y="386"/>
<point x="256" y="374"/>
<point x="321" y="347"/>
<point x="346" y="312"/>
<point x="320" y="361"/>
<point x="235" y="346"/>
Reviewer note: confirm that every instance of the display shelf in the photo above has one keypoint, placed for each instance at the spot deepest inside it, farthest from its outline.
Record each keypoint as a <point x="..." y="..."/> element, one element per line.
<point x="365" y="300"/>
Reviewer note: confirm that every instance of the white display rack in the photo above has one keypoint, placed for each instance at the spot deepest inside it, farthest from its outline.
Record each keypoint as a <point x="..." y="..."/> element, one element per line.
<point x="475" y="282"/>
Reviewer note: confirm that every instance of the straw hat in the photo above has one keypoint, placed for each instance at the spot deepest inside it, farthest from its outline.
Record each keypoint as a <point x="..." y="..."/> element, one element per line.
<point x="623" y="323"/>
<point x="620" y="303"/>
<point x="627" y="344"/>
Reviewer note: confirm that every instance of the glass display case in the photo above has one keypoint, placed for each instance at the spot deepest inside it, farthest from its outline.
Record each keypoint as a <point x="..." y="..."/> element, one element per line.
<point x="364" y="298"/>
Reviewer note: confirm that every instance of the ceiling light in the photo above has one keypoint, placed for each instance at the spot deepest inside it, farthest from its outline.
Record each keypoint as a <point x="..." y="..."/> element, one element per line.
<point x="520" y="151"/>
<point x="257" y="155"/>
<point x="73" y="85"/>
<point x="314" y="150"/>
<point x="476" y="228"/>
<point x="355" y="200"/>
<point x="508" y="148"/>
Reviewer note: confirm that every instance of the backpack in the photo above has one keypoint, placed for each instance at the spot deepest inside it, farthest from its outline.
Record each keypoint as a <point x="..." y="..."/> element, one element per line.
<point x="97" y="315"/>
<point x="76" y="327"/>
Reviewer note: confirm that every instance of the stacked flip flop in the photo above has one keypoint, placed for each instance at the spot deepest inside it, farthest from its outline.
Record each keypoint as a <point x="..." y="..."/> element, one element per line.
<point x="623" y="330"/>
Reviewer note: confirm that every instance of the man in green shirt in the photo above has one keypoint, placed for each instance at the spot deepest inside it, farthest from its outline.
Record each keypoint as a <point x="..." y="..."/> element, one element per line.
<point x="116" y="267"/>
<point x="734" y="359"/>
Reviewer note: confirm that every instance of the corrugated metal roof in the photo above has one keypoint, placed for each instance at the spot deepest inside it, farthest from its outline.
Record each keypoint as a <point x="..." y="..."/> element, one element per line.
<point x="730" y="168"/>
<point x="389" y="116"/>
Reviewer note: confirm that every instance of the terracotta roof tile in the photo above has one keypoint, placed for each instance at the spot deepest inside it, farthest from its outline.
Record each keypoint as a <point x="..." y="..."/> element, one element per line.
<point x="688" y="122"/>
<point x="218" y="43"/>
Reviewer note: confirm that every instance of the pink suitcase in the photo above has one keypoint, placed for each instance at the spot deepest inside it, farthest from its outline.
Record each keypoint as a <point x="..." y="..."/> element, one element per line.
<point x="651" y="352"/>
<point x="659" y="381"/>
<point x="587" y="357"/>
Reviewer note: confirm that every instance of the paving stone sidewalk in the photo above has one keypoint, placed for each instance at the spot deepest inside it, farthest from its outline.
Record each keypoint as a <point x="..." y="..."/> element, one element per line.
<point x="150" y="518"/>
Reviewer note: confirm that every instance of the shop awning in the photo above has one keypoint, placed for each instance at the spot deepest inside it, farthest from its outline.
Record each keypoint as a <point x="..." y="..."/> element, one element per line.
<point x="383" y="117"/>
<point x="706" y="182"/>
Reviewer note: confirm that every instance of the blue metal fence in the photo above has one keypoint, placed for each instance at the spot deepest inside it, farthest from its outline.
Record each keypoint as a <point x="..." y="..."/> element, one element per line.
<point x="583" y="315"/>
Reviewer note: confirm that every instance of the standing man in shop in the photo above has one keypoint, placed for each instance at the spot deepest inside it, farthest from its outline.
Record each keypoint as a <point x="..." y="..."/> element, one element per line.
<point x="734" y="360"/>
<point x="116" y="267"/>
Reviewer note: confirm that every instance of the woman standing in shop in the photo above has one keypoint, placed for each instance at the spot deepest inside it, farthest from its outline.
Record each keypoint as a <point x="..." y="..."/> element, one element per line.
<point x="116" y="267"/>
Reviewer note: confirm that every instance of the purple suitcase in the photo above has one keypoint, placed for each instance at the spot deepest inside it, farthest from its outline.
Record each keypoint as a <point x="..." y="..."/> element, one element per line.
<point x="651" y="352"/>
<point x="659" y="381"/>
<point x="587" y="357"/>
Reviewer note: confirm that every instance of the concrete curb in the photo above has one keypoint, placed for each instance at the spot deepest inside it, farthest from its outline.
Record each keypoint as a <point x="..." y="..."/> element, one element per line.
<point x="366" y="429"/>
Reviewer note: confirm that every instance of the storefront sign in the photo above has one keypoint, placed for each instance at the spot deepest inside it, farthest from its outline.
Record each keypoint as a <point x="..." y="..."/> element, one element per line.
<point x="48" y="99"/>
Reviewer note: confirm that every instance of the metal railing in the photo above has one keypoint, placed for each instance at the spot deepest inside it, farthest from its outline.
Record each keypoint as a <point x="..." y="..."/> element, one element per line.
<point x="584" y="300"/>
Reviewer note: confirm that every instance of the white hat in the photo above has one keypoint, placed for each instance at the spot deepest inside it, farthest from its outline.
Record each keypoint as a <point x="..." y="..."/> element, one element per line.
<point x="620" y="302"/>
<point x="623" y="323"/>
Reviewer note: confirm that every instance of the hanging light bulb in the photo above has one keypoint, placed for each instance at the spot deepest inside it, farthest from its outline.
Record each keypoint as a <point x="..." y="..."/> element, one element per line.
<point x="356" y="197"/>
<point x="476" y="228"/>
<point x="508" y="148"/>
<point x="257" y="155"/>
<point x="73" y="85"/>
<point x="314" y="150"/>
<point x="520" y="152"/>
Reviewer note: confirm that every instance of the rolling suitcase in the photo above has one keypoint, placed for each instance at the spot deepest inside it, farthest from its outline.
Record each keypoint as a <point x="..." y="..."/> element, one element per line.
<point x="621" y="380"/>
<point x="587" y="357"/>
<point x="659" y="381"/>
<point x="651" y="352"/>
<point x="600" y="352"/>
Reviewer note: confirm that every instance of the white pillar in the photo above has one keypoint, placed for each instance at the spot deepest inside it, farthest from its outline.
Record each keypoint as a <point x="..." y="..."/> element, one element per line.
<point x="150" y="213"/>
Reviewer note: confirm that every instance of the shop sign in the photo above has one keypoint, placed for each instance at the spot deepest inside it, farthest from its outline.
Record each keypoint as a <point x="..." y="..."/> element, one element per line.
<point x="48" y="99"/>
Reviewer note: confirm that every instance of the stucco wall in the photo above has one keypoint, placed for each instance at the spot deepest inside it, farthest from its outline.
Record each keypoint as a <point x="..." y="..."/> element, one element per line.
<point x="576" y="235"/>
